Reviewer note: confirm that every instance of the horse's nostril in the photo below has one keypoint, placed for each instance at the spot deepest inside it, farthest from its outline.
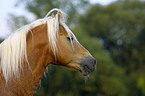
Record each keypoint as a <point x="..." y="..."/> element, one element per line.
<point x="94" y="61"/>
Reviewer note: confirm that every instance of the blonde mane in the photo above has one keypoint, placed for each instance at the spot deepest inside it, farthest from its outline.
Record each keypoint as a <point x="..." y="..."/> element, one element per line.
<point x="13" y="49"/>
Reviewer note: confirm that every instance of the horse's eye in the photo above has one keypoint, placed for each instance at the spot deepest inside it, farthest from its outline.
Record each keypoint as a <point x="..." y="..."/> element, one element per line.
<point x="70" y="38"/>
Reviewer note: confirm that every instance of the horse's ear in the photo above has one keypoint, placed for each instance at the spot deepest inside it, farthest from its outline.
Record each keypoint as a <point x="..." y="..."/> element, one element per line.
<point x="62" y="31"/>
<point x="59" y="16"/>
<point x="52" y="15"/>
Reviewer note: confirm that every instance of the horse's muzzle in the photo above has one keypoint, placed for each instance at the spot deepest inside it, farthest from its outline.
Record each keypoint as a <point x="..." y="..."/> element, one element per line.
<point x="88" y="65"/>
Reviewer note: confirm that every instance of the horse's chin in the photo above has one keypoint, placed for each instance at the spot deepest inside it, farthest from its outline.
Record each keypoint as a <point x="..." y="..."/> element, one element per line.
<point x="84" y="73"/>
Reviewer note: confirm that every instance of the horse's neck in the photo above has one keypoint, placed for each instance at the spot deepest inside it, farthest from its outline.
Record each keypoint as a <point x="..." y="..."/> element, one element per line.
<point x="38" y="56"/>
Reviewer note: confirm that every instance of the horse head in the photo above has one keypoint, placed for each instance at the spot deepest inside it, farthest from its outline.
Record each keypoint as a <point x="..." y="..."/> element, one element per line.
<point x="66" y="49"/>
<point x="72" y="54"/>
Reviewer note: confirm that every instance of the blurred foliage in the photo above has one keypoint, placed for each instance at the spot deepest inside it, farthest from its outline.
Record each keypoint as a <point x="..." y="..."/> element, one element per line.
<point x="16" y="22"/>
<point x="40" y="8"/>
<point x="114" y="34"/>
<point x="1" y="39"/>
<point x="121" y="28"/>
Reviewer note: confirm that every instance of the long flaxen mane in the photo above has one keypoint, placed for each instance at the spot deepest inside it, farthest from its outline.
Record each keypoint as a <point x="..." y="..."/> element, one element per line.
<point x="13" y="49"/>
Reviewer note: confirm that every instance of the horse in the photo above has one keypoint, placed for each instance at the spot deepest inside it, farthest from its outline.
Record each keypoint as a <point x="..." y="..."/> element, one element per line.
<point x="25" y="54"/>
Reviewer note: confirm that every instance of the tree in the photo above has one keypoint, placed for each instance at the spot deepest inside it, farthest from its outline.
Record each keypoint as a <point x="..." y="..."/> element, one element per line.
<point x="1" y="39"/>
<point x="16" y="22"/>
<point x="120" y="27"/>
<point x="40" y="8"/>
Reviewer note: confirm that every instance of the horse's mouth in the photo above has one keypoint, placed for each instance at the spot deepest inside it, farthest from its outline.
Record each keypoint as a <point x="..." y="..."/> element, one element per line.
<point x="85" y="66"/>
<point x="85" y="70"/>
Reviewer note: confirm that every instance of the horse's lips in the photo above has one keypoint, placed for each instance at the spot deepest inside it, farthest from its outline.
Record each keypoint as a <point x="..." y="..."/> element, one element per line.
<point x="87" y="65"/>
<point x="80" y="70"/>
<point x="84" y="71"/>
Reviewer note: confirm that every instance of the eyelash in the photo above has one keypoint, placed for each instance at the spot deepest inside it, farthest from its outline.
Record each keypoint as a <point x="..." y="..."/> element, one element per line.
<point x="70" y="38"/>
